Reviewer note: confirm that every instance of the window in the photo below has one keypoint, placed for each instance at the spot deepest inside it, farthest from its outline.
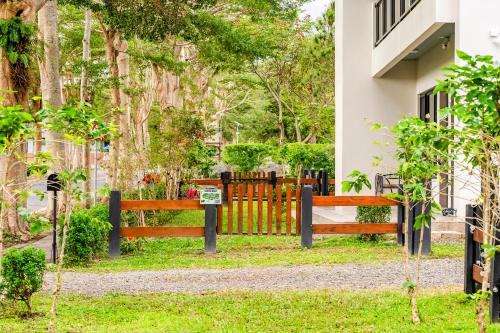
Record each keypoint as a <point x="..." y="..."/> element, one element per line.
<point x="429" y="106"/>
<point x="387" y="14"/>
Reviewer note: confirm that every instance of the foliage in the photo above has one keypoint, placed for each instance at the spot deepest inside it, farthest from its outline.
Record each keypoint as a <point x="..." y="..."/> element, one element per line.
<point x="475" y="89"/>
<point x="87" y="235"/>
<point x="78" y="122"/>
<point x="359" y="180"/>
<point x="36" y="222"/>
<point x="373" y="214"/>
<point x="15" y="124"/>
<point x="22" y="274"/>
<point x="246" y="157"/>
<point x="201" y="158"/>
<point x="15" y="39"/>
<point x="129" y="246"/>
<point x="300" y="156"/>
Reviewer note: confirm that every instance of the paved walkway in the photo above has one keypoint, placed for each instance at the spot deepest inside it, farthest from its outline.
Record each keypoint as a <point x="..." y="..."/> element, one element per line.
<point x="438" y="273"/>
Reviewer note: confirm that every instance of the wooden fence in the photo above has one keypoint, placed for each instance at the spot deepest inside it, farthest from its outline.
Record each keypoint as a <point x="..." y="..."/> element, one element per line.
<point x="116" y="206"/>
<point x="474" y="262"/>
<point x="308" y="228"/>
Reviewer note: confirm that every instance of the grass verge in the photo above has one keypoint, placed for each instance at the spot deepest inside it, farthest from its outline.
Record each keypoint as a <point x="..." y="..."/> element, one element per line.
<point x="318" y="311"/>
<point x="259" y="251"/>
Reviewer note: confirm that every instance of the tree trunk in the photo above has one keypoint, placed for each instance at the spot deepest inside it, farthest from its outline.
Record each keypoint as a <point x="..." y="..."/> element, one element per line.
<point x="49" y="75"/>
<point x="111" y="55"/>
<point x="15" y="77"/>
<point x="124" y="125"/>
<point x="84" y="97"/>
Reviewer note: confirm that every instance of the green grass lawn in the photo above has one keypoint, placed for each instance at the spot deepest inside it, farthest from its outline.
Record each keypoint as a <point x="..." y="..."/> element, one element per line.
<point x="316" y="311"/>
<point x="259" y="251"/>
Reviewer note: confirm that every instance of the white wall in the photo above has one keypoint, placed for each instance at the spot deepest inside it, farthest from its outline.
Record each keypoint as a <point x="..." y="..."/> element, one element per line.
<point x="476" y="19"/>
<point x="360" y="98"/>
<point x="430" y="66"/>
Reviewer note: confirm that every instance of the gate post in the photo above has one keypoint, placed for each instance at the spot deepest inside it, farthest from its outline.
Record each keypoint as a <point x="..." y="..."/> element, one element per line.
<point x="306" y="218"/>
<point x="414" y="235"/>
<point x="114" y="219"/>
<point x="210" y="229"/>
<point x="469" y="284"/>
<point x="324" y="183"/>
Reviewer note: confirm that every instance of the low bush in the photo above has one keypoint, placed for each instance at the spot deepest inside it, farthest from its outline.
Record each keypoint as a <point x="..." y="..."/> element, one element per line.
<point x="300" y="156"/>
<point x="247" y="157"/>
<point x="373" y="214"/>
<point x="87" y="235"/>
<point x="22" y="274"/>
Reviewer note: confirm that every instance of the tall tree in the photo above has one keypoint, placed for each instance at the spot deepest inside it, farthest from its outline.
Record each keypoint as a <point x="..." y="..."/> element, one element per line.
<point x="16" y="18"/>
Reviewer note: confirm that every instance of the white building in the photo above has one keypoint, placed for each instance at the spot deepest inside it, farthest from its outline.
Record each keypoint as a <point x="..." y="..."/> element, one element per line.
<point x="389" y="54"/>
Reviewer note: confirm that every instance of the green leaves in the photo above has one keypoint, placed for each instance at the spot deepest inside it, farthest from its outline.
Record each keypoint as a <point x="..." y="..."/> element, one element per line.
<point x="22" y="273"/>
<point x="490" y="250"/>
<point x="15" y="126"/>
<point x="16" y="40"/>
<point x="409" y="285"/>
<point x="300" y="156"/>
<point x="359" y="181"/>
<point x="246" y="157"/>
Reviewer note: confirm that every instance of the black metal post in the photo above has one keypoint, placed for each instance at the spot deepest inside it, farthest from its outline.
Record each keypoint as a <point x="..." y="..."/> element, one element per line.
<point x="324" y="183"/>
<point x="469" y="258"/>
<point x="54" y="228"/>
<point x="210" y="229"/>
<point x="306" y="219"/>
<point x="114" y="219"/>
<point x="414" y="234"/>
<point x="274" y="179"/>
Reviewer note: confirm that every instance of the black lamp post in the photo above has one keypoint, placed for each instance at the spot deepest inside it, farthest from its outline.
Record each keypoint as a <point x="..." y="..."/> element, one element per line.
<point x="54" y="186"/>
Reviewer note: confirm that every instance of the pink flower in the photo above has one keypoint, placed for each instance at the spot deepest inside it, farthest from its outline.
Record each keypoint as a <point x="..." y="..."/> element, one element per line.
<point x="192" y="193"/>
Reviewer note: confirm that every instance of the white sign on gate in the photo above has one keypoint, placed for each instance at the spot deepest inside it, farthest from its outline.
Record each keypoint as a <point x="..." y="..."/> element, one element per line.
<point x="211" y="196"/>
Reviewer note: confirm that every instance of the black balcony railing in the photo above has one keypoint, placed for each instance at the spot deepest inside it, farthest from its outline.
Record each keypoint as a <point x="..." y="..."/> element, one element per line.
<point x="387" y="14"/>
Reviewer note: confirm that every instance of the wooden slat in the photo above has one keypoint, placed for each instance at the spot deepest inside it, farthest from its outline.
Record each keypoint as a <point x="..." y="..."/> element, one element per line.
<point x="230" y="209"/>
<point x="219" y="213"/>
<point x="355" y="228"/>
<point x="476" y="273"/>
<point x="161" y="205"/>
<point x="279" y="199"/>
<point x="260" y="204"/>
<point x="214" y="182"/>
<point x="288" y="210"/>
<point x="303" y="181"/>
<point x="240" y="209"/>
<point x="477" y="236"/>
<point x="298" y="209"/>
<point x="162" y="232"/>
<point x="353" y="201"/>
<point x="250" y="210"/>
<point x="269" y="209"/>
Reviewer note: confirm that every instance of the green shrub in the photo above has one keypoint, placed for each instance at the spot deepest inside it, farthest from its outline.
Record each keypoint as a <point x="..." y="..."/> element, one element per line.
<point x="22" y="274"/>
<point x="373" y="214"/>
<point x="128" y="246"/>
<point x="87" y="235"/>
<point x="300" y="156"/>
<point x="247" y="157"/>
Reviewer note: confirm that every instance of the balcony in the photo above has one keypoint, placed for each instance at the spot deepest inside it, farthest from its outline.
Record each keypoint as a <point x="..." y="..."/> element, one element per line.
<point x="388" y="14"/>
<point x="403" y="27"/>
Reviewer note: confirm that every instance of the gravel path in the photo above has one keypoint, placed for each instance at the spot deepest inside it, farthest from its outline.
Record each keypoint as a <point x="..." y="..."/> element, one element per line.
<point x="438" y="273"/>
